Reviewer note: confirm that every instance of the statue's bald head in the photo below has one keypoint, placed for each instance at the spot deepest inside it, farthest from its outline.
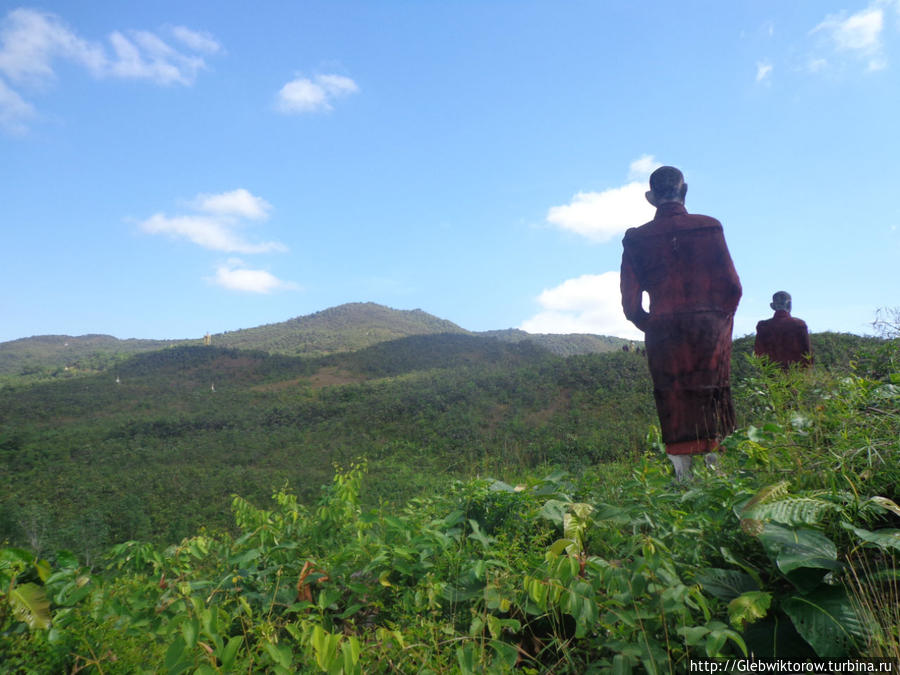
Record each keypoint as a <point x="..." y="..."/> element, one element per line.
<point x="666" y="185"/>
<point x="781" y="300"/>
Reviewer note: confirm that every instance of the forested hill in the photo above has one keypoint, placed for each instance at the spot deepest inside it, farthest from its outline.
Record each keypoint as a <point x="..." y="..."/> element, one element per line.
<point x="563" y="345"/>
<point x="345" y="328"/>
<point x="338" y="329"/>
<point x="154" y="447"/>
<point x="56" y="355"/>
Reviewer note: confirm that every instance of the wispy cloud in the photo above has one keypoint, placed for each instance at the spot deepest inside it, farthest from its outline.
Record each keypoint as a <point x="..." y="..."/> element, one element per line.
<point x="304" y="95"/>
<point x="859" y="35"/>
<point x="600" y="216"/>
<point x="197" y="41"/>
<point x="32" y="41"/>
<point x="590" y="303"/>
<point x="236" y="276"/>
<point x="763" y="71"/>
<point x="14" y="110"/>
<point x="144" y="56"/>
<point x="218" y="221"/>
<point x="237" y="203"/>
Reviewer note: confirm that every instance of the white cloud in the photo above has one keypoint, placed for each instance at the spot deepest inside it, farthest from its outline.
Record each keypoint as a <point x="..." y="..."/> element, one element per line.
<point x="600" y="216"/>
<point x="146" y="56"/>
<point x="305" y="95"/>
<point x="199" y="42"/>
<point x="859" y="35"/>
<point x="642" y="167"/>
<point x="31" y="42"/>
<point x="763" y="71"/>
<point x="216" y="228"/>
<point x="216" y="235"/>
<point x="235" y="276"/>
<point x="860" y="31"/>
<point x="13" y="110"/>
<point x="239" y="203"/>
<point x="590" y="303"/>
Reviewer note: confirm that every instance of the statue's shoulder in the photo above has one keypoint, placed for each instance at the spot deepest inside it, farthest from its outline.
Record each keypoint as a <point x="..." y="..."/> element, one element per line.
<point x="699" y="220"/>
<point x="634" y="232"/>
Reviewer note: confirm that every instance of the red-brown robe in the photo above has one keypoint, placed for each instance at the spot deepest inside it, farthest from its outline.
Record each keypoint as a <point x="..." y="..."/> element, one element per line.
<point x="783" y="339"/>
<point x="683" y="263"/>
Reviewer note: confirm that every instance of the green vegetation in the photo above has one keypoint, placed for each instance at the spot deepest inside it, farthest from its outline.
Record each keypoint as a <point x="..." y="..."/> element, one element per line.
<point x="63" y="356"/>
<point x="87" y="462"/>
<point x="204" y="543"/>
<point x="344" y="328"/>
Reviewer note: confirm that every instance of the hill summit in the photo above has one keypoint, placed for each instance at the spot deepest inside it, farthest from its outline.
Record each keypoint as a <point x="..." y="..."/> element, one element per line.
<point x="347" y="327"/>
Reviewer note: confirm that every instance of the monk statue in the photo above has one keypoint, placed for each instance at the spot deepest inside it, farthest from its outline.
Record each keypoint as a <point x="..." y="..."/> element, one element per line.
<point x="784" y="339"/>
<point x="682" y="262"/>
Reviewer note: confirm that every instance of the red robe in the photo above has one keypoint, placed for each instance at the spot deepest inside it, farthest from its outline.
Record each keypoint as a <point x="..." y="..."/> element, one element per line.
<point x="683" y="263"/>
<point x="783" y="339"/>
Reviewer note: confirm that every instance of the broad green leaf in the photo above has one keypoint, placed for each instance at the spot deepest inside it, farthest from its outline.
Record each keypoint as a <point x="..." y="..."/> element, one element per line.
<point x="693" y="635"/>
<point x="506" y="655"/>
<point x="327" y="597"/>
<point x="560" y="546"/>
<point x="622" y="665"/>
<point x="554" y="511"/>
<point x="725" y="584"/>
<point x="351" y="650"/>
<point x="30" y="605"/>
<point x="803" y="555"/>
<point x="719" y="633"/>
<point x="743" y="564"/>
<point x="748" y="607"/>
<point x="827" y="621"/>
<point x="174" y="654"/>
<point x="280" y="655"/>
<point x="465" y="657"/>
<point x="66" y="559"/>
<point x="482" y="538"/>
<point x="16" y="557"/>
<point x="500" y="486"/>
<point x="477" y="626"/>
<point x="230" y="651"/>
<point x="883" y="538"/>
<point x="43" y="569"/>
<point x="189" y="630"/>
<point x="886" y="503"/>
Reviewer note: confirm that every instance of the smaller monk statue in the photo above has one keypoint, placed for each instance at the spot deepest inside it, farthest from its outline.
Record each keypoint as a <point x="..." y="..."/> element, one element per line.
<point x="784" y="339"/>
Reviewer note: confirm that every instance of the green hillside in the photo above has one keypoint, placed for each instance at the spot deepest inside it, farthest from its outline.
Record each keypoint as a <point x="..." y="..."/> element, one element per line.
<point x="104" y="460"/>
<point x="498" y="509"/>
<point x="348" y="327"/>
<point x="563" y="345"/>
<point x="47" y="356"/>
<point x="338" y="329"/>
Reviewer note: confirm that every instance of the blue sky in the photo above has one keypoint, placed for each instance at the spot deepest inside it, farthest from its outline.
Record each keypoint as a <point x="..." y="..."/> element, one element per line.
<point x="170" y="168"/>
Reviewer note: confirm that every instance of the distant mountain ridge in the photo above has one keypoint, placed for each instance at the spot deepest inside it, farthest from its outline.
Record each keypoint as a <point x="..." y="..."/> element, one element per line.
<point x="345" y="328"/>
